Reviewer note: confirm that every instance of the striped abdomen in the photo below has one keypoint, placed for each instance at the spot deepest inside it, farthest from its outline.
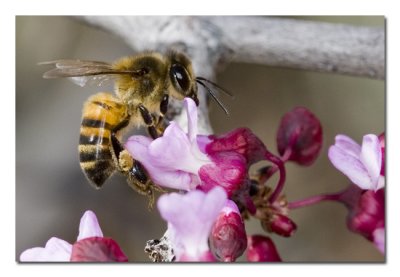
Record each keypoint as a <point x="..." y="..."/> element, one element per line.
<point x="103" y="114"/>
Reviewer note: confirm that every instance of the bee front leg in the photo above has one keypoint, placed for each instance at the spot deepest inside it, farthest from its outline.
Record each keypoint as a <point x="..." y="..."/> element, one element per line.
<point x="162" y="123"/>
<point x="149" y="121"/>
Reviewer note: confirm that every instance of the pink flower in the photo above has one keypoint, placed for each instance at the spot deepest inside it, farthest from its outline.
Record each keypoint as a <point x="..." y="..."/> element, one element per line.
<point x="190" y="217"/>
<point x="361" y="164"/>
<point x="228" y="238"/>
<point x="187" y="161"/>
<point x="90" y="246"/>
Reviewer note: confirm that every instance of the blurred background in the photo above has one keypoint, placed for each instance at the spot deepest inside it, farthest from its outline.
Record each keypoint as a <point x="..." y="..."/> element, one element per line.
<point x="52" y="192"/>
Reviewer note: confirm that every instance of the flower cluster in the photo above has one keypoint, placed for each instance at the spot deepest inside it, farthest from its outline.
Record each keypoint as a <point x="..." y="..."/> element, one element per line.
<point x="216" y="193"/>
<point x="202" y="167"/>
<point x="365" y="197"/>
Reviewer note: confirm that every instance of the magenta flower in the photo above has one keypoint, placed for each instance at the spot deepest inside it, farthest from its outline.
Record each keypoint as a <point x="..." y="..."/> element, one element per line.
<point x="190" y="217"/>
<point x="361" y="164"/>
<point x="186" y="161"/>
<point x="228" y="238"/>
<point x="90" y="246"/>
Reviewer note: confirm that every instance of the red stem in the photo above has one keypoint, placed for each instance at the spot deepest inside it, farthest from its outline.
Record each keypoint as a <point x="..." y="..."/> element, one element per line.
<point x="314" y="200"/>
<point x="282" y="175"/>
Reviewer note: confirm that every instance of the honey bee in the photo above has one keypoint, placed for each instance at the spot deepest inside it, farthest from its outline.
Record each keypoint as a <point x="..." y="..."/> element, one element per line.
<point x="143" y="85"/>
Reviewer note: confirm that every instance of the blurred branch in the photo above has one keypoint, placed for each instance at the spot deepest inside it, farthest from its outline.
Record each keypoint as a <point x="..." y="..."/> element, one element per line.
<point x="211" y="41"/>
<point x="299" y="44"/>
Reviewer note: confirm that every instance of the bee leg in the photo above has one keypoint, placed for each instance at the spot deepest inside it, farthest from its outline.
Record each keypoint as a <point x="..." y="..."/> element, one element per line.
<point x="162" y="123"/>
<point x="149" y="121"/>
<point x="134" y="171"/>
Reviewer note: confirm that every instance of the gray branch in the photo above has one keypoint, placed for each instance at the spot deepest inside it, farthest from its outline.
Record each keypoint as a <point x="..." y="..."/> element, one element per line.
<point x="212" y="41"/>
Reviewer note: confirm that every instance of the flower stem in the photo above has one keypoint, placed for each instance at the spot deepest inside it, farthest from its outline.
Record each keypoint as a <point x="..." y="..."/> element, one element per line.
<point x="282" y="174"/>
<point x="314" y="200"/>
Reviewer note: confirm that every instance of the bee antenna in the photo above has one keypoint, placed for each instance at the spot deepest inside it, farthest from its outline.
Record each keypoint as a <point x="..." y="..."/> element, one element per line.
<point x="213" y="96"/>
<point x="217" y="86"/>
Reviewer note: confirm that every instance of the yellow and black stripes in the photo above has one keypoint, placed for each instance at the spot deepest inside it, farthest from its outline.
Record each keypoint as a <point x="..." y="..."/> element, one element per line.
<point x="102" y="117"/>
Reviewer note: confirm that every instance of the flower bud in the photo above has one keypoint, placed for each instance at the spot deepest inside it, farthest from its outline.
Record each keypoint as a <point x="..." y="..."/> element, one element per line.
<point x="261" y="249"/>
<point x="281" y="225"/>
<point x="228" y="236"/>
<point x="299" y="136"/>
<point x="368" y="214"/>
<point x="97" y="249"/>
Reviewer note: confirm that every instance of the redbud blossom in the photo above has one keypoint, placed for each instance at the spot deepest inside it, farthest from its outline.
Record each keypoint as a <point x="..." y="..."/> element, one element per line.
<point x="361" y="164"/>
<point x="190" y="218"/>
<point x="90" y="246"/>
<point x="261" y="249"/>
<point x="228" y="238"/>
<point x="187" y="161"/>
<point x="299" y="136"/>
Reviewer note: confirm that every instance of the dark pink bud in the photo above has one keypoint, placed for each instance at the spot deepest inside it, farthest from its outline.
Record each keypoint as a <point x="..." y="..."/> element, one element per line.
<point x="261" y="249"/>
<point x="97" y="249"/>
<point x="240" y="140"/>
<point x="282" y="225"/>
<point x="382" y="143"/>
<point x="228" y="171"/>
<point x="299" y="136"/>
<point x="368" y="214"/>
<point x="228" y="238"/>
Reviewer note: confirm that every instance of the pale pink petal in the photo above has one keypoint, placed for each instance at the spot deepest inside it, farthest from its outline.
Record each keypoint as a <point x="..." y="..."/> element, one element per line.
<point x="348" y="145"/>
<point x="230" y="207"/>
<point x="191" y="110"/>
<point x="56" y="250"/>
<point x="161" y="172"/>
<point x="202" y="142"/>
<point x="350" y="166"/>
<point x="379" y="239"/>
<point x="371" y="157"/>
<point x="174" y="151"/>
<point x="89" y="226"/>
<point x="190" y="217"/>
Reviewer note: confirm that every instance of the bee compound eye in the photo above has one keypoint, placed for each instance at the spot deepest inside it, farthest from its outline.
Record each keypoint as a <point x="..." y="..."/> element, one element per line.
<point x="180" y="76"/>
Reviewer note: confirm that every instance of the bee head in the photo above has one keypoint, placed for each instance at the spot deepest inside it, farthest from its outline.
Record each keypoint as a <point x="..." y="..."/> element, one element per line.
<point x="183" y="81"/>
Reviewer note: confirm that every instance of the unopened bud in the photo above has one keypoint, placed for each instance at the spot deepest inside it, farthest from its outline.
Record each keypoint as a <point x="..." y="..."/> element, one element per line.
<point x="261" y="249"/>
<point x="228" y="238"/>
<point x="299" y="136"/>
<point x="281" y="225"/>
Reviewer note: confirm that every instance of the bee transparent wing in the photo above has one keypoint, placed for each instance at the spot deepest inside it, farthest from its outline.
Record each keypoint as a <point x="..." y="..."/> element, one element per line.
<point x="82" y="72"/>
<point x="98" y="80"/>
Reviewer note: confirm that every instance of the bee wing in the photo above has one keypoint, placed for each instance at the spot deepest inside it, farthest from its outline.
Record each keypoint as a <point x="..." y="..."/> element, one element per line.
<point x="82" y="72"/>
<point x="98" y="80"/>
